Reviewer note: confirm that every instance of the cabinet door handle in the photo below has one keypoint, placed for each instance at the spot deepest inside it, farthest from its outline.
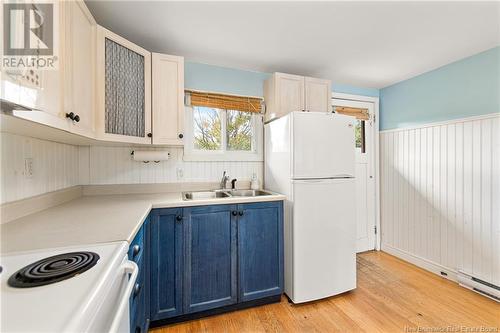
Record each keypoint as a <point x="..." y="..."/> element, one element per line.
<point x="137" y="289"/>
<point x="70" y="115"/>
<point x="181" y="136"/>
<point x="135" y="250"/>
<point x="150" y="135"/>
<point x="178" y="218"/>
<point x="77" y="118"/>
<point x="240" y="213"/>
<point x="234" y="213"/>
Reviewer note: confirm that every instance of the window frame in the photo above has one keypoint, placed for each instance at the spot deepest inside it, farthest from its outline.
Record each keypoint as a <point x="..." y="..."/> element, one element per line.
<point x="193" y="154"/>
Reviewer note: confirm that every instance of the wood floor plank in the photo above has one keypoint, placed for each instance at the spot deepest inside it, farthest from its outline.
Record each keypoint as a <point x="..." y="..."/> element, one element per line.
<point x="391" y="296"/>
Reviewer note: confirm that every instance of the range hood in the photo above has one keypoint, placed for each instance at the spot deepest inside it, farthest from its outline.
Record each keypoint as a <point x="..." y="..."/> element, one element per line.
<point x="9" y="106"/>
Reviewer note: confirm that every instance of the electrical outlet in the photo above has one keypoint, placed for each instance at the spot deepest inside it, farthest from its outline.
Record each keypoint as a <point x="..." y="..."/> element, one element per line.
<point x="180" y="173"/>
<point x="28" y="167"/>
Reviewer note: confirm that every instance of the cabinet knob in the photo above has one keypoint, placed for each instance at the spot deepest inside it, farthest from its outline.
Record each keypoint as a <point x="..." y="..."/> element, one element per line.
<point x="70" y="115"/>
<point x="234" y="213"/>
<point x="135" y="250"/>
<point x="150" y="135"/>
<point x="77" y="118"/>
<point x="181" y="136"/>
<point x="137" y="289"/>
<point x="240" y="213"/>
<point x="178" y="218"/>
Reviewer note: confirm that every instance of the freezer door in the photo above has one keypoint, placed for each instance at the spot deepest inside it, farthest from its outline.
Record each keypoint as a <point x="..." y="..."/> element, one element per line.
<point x="324" y="238"/>
<point x="323" y="145"/>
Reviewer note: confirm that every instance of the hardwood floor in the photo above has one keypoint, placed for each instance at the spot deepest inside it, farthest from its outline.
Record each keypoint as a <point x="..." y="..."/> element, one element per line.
<point x="392" y="296"/>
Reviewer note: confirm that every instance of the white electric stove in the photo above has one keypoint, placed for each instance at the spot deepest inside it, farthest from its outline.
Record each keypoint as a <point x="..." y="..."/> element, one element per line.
<point x="73" y="289"/>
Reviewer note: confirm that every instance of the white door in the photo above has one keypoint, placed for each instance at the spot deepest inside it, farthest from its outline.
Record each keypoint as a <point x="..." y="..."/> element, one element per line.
<point x="322" y="145"/>
<point x="318" y="95"/>
<point x="323" y="236"/>
<point x="365" y="181"/>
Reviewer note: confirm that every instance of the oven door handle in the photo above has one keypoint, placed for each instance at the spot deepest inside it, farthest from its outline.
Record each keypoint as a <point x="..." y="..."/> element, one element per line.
<point x="131" y="268"/>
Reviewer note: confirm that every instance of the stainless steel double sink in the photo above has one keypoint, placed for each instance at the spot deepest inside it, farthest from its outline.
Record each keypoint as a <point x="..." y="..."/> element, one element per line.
<point x="220" y="194"/>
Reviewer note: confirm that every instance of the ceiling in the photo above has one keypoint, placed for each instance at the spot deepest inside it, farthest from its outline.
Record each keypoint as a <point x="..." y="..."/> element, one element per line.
<point x="365" y="44"/>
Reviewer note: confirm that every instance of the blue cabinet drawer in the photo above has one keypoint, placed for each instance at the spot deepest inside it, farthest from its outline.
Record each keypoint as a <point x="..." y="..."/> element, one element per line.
<point x="137" y="246"/>
<point x="138" y="303"/>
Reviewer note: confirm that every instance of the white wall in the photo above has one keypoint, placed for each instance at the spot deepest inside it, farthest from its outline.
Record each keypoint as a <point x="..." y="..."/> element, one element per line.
<point x="114" y="165"/>
<point x="440" y="195"/>
<point x="55" y="167"/>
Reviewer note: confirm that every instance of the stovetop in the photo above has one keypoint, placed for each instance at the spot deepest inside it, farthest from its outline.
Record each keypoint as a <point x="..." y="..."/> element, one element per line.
<point x="49" y="290"/>
<point x="53" y="269"/>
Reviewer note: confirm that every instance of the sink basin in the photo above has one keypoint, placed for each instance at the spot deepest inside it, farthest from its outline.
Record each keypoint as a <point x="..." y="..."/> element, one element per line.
<point x="219" y="194"/>
<point x="248" y="193"/>
<point x="204" y="195"/>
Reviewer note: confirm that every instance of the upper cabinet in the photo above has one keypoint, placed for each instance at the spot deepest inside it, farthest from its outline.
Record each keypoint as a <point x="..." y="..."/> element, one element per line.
<point x="79" y="69"/>
<point x="168" y="99"/>
<point x="102" y="88"/>
<point x="318" y="95"/>
<point x="123" y="90"/>
<point x="36" y="89"/>
<point x="285" y="93"/>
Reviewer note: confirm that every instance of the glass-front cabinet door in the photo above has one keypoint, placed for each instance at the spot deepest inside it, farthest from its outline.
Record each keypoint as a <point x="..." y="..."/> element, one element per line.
<point x="124" y="89"/>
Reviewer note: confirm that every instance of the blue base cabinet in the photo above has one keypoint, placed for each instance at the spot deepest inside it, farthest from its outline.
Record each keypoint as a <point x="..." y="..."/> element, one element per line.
<point x="214" y="257"/>
<point x="210" y="258"/>
<point x="139" y="299"/>
<point x="166" y="264"/>
<point x="260" y="250"/>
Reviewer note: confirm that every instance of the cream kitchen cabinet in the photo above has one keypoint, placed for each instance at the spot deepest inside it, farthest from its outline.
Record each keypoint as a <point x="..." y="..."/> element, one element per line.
<point x="79" y="68"/>
<point x="285" y="93"/>
<point x="168" y="99"/>
<point x="38" y="90"/>
<point x="123" y="90"/>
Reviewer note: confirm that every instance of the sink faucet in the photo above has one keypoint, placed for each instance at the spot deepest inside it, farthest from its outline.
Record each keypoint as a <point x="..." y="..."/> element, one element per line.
<point x="223" y="181"/>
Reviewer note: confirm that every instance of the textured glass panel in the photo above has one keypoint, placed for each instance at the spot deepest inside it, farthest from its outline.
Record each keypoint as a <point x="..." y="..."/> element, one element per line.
<point x="124" y="91"/>
<point x="239" y="130"/>
<point x="207" y="128"/>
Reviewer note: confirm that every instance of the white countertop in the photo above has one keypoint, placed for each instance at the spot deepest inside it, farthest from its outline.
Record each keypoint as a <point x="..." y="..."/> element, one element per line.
<point x="96" y="219"/>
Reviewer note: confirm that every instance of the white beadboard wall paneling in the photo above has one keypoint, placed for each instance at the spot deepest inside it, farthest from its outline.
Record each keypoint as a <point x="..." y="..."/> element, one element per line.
<point x="440" y="195"/>
<point x="114" y="165"/>
<point x="55" y="167"/>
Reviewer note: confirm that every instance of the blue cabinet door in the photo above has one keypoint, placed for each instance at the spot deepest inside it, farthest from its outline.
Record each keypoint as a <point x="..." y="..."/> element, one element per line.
<point x="210" y="266"/>
<point x="138" y="252"/>
<point x="166" y="264"/>
<point x="260" y="250"/>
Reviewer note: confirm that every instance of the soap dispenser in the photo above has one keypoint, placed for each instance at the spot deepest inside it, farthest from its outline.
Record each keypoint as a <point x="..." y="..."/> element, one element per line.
<point x="254" y="184"/>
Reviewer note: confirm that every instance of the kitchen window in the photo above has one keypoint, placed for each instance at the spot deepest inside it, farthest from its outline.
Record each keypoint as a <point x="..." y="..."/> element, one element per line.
<point x="361" y="116"/>
<point x="223" y="128"/>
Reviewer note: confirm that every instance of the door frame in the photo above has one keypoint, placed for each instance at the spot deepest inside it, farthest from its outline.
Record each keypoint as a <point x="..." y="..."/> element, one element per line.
<point x="376" y="159"/>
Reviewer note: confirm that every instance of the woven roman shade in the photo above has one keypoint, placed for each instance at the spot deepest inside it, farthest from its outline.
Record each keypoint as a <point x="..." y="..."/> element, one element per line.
<point x="221" y="101"/>
<point x="361" y="114"/>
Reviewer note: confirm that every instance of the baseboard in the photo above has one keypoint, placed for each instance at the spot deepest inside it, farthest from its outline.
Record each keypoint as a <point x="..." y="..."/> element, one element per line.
<point x="14" y="210"/>
<point x="423" y="263"/>
<point x="229" y="308"/>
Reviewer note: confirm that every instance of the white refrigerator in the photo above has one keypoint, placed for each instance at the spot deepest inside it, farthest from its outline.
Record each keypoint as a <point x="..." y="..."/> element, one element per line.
<point x="310" y="157"/>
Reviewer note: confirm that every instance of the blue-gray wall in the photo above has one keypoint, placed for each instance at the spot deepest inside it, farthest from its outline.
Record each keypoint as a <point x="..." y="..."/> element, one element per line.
<point x="241" y="82"/>
<point x="468" y="87"/>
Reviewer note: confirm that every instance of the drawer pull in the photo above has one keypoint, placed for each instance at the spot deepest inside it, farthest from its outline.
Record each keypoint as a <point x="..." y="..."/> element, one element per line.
<point x="135" y="250"/>
<point x="137" y="289"/>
